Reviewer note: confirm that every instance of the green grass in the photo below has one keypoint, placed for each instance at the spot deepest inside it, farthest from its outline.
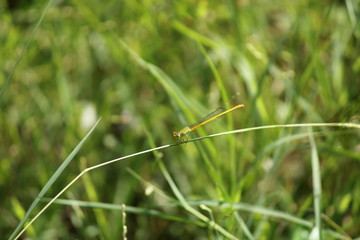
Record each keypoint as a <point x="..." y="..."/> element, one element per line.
<point x="148" y="68"/>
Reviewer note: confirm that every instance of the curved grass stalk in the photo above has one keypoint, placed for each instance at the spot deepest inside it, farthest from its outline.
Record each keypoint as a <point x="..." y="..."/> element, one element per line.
<point x="345" y="125"/>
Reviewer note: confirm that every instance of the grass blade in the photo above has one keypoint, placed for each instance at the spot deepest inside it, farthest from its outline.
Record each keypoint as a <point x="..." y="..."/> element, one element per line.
<point x="316" y="175"/>
<point x="22" y="54"/>
<point x="51" y="181"/>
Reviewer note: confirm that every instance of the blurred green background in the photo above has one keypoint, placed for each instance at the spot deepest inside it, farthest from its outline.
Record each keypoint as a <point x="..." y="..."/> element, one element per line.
<point x="148" y="68"/>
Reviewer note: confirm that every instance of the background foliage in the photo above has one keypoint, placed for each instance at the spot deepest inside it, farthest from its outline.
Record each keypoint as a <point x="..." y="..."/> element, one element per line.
<point x="151" y="67"/>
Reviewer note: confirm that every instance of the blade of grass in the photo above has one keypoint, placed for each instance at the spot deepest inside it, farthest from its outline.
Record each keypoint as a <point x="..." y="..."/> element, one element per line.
<point x="82" y="173"/>
<point x="273" y="145"/>
<point x="171" y="88"/>
<point x="266" y="212"/>
<point x="190" y="209"/>
<point x="194" y="35"/>
<point x="51" y="181"/>
<point x="335" y="226"/>
<point x="93" y="196"/>
<point x="238" y="206"/>
<point x="243" y="226"/>
<point x="208" y="210"/>
<point x="316" y="175"/>
<point x="22" y="54"/>
<point x="129" y="209"/>
<point x="255" y="209"/>
<point x="160" y="192"/>
<point x="182" y="199"/>
<point x="20" y="212"/>
<point x="352" y="13"/>
<point x="168" y="84"/>
<point x="348" y="125"/>
<point x="232" y="162"/>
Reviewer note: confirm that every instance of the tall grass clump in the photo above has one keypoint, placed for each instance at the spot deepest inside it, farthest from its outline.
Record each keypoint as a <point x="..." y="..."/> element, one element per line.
<point x="284" y="167"/>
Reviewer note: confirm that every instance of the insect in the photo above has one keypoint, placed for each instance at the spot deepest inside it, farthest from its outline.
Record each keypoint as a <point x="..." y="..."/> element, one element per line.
<point x="182" y="134"/>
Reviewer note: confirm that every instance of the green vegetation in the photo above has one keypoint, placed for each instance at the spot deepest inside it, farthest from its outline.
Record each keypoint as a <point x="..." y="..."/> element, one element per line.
<point x="148" y="68"/>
